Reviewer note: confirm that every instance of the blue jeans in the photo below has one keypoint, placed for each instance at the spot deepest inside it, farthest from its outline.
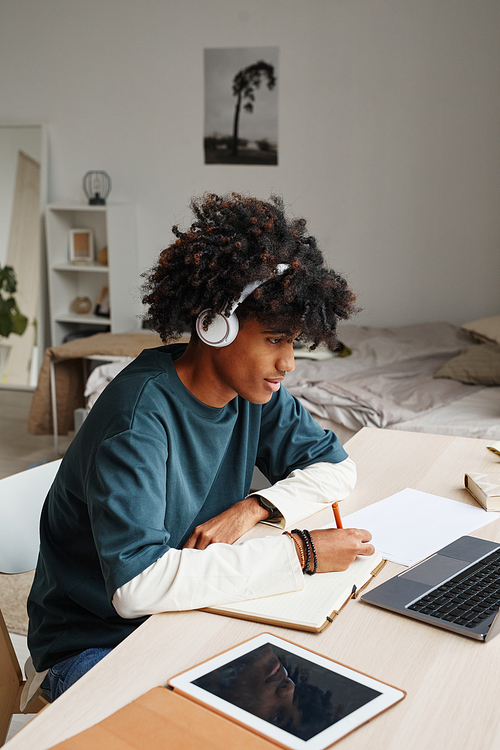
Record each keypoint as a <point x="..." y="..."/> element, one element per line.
<point x="62" y="675"/>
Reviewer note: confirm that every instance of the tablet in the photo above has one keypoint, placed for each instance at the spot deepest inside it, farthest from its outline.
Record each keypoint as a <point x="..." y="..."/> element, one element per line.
<point x="292" y="696"/>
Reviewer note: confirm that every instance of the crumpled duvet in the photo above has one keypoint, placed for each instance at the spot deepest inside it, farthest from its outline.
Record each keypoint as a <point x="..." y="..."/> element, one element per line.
<point x="387" y="379"/>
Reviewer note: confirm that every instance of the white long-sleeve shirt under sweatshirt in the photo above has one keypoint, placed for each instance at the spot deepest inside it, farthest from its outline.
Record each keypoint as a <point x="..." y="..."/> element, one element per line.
<point x="223" y="573"/>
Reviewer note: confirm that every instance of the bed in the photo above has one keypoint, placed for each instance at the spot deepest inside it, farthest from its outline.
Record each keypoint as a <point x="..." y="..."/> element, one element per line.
<point x="429" y="377"/>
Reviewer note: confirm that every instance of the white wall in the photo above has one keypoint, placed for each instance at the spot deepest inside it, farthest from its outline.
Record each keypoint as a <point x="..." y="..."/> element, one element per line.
<point x="388" y="134"/>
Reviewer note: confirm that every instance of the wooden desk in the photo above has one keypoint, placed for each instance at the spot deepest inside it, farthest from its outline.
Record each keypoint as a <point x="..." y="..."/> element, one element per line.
<point x="451" y="680"/>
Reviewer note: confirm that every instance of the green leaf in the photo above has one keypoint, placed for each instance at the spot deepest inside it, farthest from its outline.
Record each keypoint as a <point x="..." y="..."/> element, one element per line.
<point x="19" y="321"/>
<point x="8" y="279"/>
<point x="11" y="318"/>
<point x="5" y="329"/>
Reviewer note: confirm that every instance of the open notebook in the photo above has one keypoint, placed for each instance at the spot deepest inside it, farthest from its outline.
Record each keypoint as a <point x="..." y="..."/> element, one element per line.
<point x="316" y="605"/>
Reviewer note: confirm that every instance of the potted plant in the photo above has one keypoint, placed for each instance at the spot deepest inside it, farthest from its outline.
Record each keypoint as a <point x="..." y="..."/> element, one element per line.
<point x="11" y="318"/>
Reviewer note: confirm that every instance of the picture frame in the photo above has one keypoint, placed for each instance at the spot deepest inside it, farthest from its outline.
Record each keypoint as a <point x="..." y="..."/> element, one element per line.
<point x="81" y="246"/>
<point x="102" y="306"/>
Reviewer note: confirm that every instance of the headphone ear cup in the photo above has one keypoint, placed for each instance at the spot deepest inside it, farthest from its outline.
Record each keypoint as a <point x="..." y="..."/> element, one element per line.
<point x="221" y="332"/>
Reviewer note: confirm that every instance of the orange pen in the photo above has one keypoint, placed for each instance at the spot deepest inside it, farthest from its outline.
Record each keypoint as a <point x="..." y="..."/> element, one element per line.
<point x="336" y="513"/>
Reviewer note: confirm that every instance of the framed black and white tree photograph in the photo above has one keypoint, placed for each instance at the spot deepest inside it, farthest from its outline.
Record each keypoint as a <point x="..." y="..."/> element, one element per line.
<point x="241" y="105"/>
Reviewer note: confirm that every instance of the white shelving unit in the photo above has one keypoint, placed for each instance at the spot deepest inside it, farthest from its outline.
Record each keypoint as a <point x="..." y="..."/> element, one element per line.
<point x="114" y="227"/>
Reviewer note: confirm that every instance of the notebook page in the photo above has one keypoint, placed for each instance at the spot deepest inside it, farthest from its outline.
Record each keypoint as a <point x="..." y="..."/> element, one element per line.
<point x="322" y="594"/>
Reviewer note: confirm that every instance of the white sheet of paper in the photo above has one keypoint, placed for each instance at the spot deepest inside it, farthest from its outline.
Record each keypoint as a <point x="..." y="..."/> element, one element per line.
<point x="411" y="525"/>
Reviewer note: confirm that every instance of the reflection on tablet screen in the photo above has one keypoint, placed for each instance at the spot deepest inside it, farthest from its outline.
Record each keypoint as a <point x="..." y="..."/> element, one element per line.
<point x="286" y="690"/>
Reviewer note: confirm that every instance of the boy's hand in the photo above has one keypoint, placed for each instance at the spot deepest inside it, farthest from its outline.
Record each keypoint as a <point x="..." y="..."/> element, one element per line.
<point x="336" y="549"/>
<point x="228" y="526"/>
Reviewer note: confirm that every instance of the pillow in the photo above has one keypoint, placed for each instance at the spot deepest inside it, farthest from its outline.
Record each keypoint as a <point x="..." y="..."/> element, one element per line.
<point x="485" y="329"/>
<point x="479" y="365"/>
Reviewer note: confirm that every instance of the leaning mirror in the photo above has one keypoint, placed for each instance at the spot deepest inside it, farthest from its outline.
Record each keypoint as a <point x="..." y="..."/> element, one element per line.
<point x="22" y="201"/>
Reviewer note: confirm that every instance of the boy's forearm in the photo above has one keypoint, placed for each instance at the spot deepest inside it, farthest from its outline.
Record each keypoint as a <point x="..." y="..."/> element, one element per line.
<point x="229" y="525"/>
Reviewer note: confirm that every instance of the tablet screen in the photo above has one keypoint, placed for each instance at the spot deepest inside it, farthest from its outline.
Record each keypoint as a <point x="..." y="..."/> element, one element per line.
<point x="287" y="693"/>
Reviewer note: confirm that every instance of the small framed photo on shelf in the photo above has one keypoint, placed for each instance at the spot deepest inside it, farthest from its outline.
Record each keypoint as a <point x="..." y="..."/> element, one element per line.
<point x="102" y="307"/>
<point x="81" y="246"/>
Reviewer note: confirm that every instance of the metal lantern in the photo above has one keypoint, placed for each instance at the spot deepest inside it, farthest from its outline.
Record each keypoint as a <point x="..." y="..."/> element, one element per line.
<point x="97" y="186"/>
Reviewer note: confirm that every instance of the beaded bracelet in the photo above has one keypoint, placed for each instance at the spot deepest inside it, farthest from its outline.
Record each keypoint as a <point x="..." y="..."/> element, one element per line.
<point x="299" y="549"/>
<point x="313" y="550"/>
<point x="307" y="548"/>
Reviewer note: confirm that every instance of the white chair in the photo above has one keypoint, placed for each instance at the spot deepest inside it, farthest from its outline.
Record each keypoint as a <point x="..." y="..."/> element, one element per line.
<point x="21" y="500"/>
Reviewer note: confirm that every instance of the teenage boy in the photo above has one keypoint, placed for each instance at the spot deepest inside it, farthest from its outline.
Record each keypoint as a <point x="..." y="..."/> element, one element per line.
<point x="152" y="494"/>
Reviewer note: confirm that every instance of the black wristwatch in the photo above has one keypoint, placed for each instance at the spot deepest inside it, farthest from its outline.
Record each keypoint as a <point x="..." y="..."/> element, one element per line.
<point x="273" y="510"/>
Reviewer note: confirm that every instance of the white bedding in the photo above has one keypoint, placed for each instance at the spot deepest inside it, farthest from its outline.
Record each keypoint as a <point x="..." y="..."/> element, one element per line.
<point x="388" y="381"/>
<point x="475" y="415"/>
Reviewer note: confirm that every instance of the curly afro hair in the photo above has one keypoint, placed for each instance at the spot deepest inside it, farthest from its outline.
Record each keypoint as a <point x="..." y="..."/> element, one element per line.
<point x="236" y="240"/>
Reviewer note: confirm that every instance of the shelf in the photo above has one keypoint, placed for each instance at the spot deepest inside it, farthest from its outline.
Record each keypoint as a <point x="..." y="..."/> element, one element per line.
<point x="82" y="319"/>
<point x="76" y="207"/>
<point x="113" y="226"/>
<point x="89" y="268"/>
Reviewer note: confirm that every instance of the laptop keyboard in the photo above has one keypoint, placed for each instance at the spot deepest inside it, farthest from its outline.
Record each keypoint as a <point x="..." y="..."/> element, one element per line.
<point x="468" y="598"/>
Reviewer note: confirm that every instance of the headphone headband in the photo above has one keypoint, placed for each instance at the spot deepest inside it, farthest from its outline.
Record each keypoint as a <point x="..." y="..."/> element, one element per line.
<point x="223" y="329"/>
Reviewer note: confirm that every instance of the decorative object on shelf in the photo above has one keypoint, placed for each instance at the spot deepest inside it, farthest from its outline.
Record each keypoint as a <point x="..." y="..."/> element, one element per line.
<point x="102" y="256"/>
<point x="81" y="246"/>
<point x="97" y="186"/>
<point x="81" y="305"/>
<point x="102" y="307"/>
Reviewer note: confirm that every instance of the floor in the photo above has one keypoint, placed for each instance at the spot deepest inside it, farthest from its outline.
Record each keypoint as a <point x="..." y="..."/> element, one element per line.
<point x="19" y="451"/>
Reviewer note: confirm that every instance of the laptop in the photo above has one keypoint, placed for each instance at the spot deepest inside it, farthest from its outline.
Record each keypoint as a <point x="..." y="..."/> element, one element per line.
<point x="457" y="588"/>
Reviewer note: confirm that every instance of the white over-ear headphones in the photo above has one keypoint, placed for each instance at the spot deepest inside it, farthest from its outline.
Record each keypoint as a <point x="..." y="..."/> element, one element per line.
<point x="223" y="329"/>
